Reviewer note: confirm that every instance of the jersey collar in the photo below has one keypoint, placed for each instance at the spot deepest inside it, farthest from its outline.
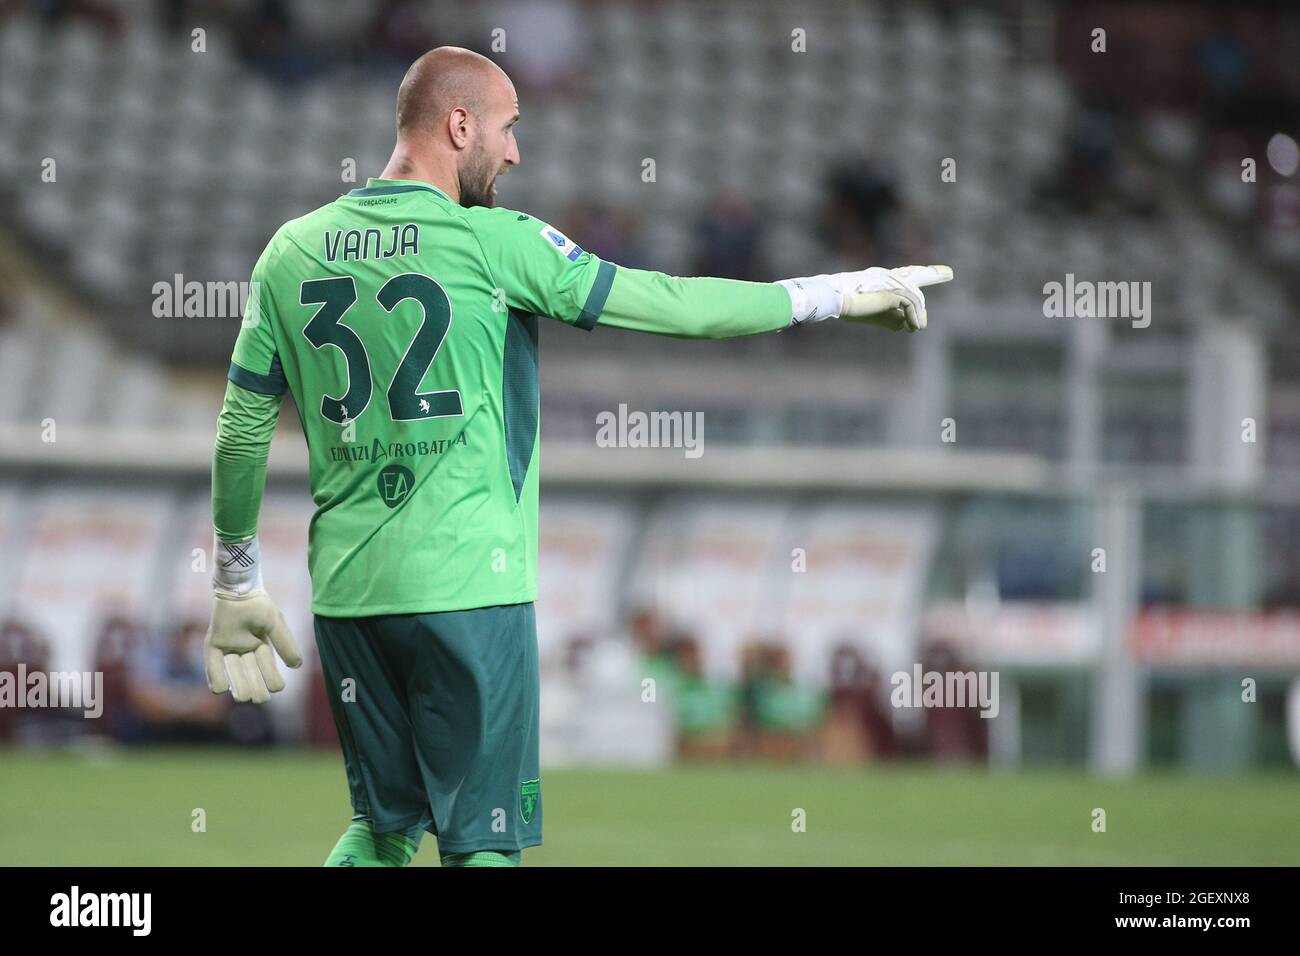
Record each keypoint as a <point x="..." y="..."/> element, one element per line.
<point x="387" y="187"/>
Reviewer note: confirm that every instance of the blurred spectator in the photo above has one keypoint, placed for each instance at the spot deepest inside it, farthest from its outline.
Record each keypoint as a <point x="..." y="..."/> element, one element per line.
<point x="610" y="234"/>
<point x="269" y="39"/>
<point x="169" y="696"/>
<point x="119" y="641"/>
<point x="705" y="709"/>
<point x="576" y="652"/>
<point x="862" y="215"/>
<point x="1247" y="79"/>
<point x="180" y="16"/>
<point x="952" y="734"/>
<point x="1088" y="170"/>
<point x="729" y="241"/>
<point x="858" y="727"/>
<point x="399" y="34"/>
<point x="20" y="646"/>
<point x="780" y="717"/>
<point x="105" y="16"/>
<point x="1096" y="177"/>
<point x="1224" y="64"/>
<point x="595" y="675"/>
<point x="543" y="44"/>
<point x="651" y="646"/>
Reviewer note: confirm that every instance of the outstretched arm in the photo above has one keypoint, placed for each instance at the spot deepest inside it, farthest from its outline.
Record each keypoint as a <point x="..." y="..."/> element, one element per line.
<point x="540" y="270"/>
<point x="722" y="308"/>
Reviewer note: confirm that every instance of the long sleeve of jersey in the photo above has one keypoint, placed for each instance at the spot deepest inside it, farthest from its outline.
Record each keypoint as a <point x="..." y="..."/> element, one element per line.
<point x="542" y="271"/>
<point x="244" y="429"/>
<point x="694" y="308"/>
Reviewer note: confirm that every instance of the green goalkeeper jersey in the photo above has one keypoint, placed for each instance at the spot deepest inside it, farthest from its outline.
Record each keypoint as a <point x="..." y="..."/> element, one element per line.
<point x="405" y="327"/>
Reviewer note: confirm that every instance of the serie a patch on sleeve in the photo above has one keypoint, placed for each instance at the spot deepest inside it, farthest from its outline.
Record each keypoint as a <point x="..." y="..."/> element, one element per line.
<point x="561" y="243"/>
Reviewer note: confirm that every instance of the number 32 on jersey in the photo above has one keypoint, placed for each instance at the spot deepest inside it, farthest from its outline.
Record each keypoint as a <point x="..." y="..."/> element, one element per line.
<point x="336" y="296"/>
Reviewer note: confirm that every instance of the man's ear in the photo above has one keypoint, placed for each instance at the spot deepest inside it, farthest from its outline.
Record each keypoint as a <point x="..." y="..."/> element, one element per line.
<point x="460" y="127"/>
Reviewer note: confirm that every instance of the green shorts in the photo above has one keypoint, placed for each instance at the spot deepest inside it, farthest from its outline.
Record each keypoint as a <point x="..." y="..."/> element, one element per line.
<point x="437" y="715"/>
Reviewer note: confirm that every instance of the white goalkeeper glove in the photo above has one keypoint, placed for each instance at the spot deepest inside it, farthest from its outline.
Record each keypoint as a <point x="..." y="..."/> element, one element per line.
<point x="245" y="627"/>
<point x="889" y="298"/>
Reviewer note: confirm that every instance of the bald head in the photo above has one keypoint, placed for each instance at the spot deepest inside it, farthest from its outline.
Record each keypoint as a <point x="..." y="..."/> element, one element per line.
<point x="456" y="112"/>
<point x="442" y="80"/>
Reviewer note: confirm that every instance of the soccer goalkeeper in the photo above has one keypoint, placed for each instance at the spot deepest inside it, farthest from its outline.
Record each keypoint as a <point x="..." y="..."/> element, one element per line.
<point x="403" y="319"/>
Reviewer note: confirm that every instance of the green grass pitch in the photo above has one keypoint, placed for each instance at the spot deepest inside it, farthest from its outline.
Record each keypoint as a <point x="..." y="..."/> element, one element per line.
<point x="288" y="808"/>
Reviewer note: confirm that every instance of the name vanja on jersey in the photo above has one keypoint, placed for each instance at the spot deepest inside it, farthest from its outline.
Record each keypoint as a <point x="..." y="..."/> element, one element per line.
<point x="405" y="327"/>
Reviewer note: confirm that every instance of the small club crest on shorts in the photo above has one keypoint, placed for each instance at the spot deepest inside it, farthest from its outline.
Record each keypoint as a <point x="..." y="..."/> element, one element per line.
<point x="530" y="792"/>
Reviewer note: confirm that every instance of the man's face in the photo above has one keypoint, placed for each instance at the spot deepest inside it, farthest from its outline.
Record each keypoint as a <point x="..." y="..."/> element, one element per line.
<point x="494" y="149"/>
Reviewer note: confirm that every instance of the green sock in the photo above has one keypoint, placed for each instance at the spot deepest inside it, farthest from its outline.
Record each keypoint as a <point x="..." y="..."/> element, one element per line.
<point x="481" y="858"/>
<point x="361" y="846"/>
